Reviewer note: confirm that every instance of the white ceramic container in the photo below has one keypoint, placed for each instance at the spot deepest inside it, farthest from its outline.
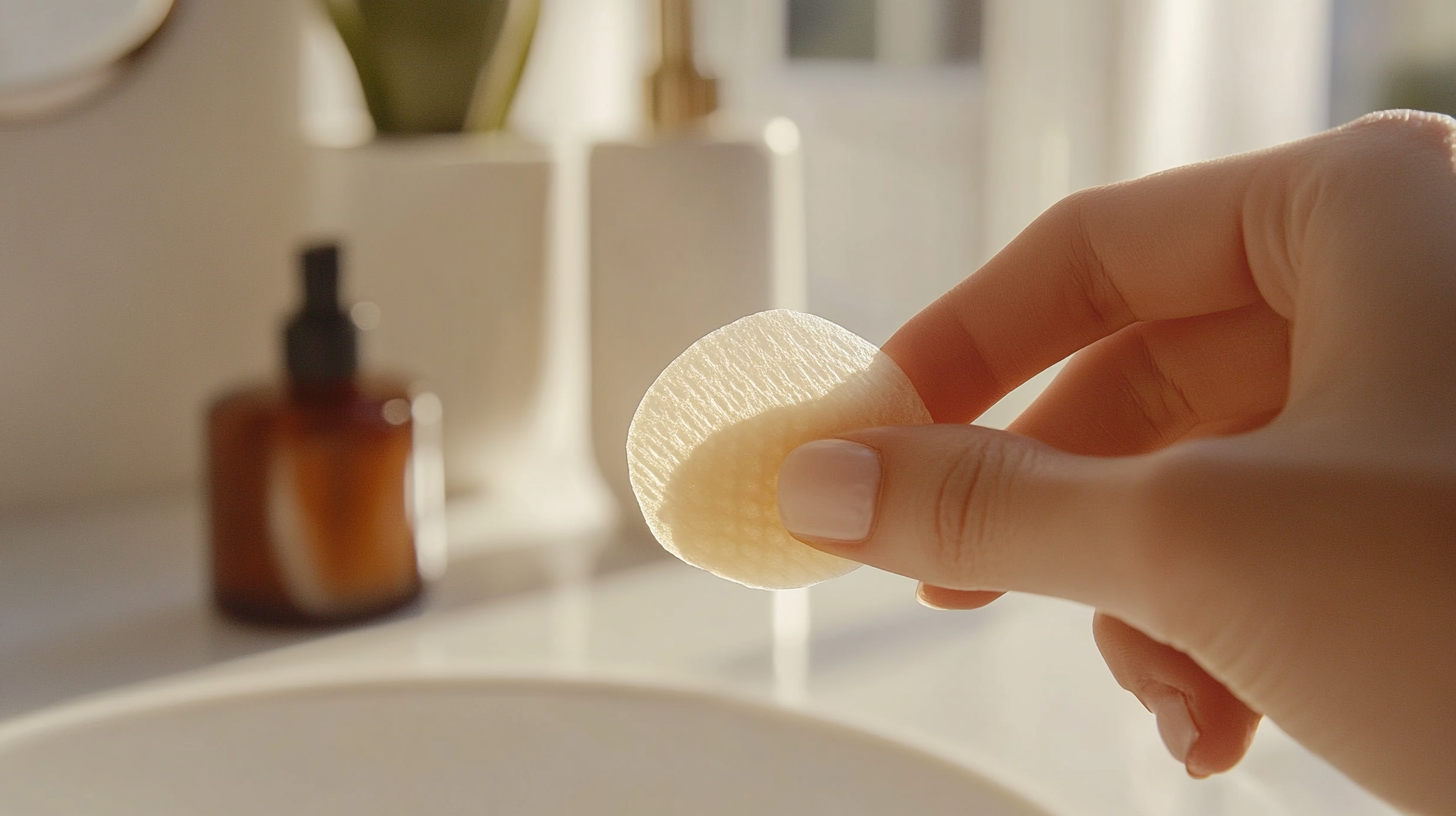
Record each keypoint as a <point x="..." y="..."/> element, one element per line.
<point x="688" y="234"/>
<point x="446" y="235"/>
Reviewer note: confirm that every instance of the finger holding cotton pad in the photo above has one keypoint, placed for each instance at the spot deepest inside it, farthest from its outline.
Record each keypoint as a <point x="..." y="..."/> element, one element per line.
<point x="706" y="443"/>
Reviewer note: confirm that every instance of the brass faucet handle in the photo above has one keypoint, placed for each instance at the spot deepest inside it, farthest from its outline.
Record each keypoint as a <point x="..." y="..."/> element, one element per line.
<point x="677" y="94"/>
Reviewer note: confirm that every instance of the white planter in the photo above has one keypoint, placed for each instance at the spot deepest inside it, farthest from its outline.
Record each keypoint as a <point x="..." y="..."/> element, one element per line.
<point x="447" y="236"/>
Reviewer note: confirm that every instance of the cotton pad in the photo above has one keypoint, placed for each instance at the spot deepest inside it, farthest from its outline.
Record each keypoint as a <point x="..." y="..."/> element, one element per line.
<point x="705" y="445"/>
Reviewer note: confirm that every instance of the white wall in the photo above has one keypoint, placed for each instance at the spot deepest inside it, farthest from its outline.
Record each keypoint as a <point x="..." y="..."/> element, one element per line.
<point x="146" y="249"/>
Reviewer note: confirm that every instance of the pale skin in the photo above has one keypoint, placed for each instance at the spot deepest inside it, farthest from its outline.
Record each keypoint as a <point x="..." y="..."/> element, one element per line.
<point x="1248" y="467"/>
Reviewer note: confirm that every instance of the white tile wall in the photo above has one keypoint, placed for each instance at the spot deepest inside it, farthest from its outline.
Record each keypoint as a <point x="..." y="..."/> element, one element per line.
<point x="146" y="248"/>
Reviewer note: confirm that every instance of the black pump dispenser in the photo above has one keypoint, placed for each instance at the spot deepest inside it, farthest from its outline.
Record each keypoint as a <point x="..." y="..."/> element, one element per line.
<point x="320" y="340"/>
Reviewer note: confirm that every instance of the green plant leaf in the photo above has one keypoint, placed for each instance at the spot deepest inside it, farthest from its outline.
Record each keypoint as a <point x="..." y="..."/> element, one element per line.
<point x="419" y="61"/>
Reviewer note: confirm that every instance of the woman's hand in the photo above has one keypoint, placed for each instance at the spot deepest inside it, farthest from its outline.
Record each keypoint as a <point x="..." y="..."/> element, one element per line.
<point x="1249" y="465"/>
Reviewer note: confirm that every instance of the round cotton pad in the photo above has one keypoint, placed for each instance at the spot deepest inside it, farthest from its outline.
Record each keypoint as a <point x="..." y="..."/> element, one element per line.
<point x="706" y="443"/>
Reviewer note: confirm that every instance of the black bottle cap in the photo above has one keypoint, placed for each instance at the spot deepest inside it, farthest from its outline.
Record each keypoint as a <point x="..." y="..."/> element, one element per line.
<point x="320" y="340"/>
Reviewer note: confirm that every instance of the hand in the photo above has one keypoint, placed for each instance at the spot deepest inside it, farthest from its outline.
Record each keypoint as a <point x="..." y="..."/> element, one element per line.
<point x="1248" y="467"/>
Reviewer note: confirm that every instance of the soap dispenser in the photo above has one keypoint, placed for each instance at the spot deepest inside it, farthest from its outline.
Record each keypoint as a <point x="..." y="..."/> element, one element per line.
<point x="309" y="480"/>
<point x="694" y="224"/>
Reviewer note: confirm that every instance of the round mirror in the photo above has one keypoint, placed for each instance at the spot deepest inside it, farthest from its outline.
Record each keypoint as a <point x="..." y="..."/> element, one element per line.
<point x="54" y="54"/>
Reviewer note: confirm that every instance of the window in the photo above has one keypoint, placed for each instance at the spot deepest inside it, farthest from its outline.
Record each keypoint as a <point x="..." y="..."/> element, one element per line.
<point x="907" y="32"/>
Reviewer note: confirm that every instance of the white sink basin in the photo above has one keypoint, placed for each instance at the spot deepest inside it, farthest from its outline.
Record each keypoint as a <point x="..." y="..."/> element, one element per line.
<point x="465" y="744"/>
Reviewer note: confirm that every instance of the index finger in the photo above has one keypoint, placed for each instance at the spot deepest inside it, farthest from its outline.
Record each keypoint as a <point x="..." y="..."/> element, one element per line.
<point x="1166" y="246"/>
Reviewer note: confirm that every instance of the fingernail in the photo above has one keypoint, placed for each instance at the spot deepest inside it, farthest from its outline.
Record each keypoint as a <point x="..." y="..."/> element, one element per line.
<point x="924" y="601"/>
<point x="828" y="489"/>
<point x="1175" y="723"/>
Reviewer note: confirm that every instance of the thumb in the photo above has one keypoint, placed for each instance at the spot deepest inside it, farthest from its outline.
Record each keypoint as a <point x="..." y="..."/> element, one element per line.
<point x="965" y="507"/>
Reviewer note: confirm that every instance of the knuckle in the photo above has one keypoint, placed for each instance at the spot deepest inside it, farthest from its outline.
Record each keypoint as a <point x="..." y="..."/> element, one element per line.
<point x="1394" y="143"/>
<point x="1102" y="297"/>
<point x="1407" y="126"/>
<point x="1072" y="224"/>
<point x="1156" y="395"/>
<point x="969" y="506"/>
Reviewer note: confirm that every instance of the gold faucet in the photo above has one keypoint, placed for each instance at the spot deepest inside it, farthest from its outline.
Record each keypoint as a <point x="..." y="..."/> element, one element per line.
<point x="677" y="94"/>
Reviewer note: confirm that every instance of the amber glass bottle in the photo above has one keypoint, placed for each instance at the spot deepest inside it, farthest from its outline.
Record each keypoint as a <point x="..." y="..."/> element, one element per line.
<point x="307" y="481"/>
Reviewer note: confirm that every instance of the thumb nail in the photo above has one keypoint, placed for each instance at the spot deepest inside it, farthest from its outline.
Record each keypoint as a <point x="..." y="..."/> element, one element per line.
<point x="828" y="489"/>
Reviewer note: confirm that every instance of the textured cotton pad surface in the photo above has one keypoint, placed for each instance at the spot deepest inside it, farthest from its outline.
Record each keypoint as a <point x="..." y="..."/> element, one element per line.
<point x="706" y="443"/>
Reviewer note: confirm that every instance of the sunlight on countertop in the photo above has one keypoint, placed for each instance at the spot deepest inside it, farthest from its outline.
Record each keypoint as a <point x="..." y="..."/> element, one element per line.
<point x="1016" y="690"/>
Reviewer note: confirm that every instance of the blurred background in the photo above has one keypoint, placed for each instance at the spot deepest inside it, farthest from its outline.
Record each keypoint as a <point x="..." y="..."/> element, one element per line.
<point x="162" y="162"/>
<point x="148" y="227"/>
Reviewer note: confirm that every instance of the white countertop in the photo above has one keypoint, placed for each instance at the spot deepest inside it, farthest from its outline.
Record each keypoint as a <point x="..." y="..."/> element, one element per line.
<point x="108" y="596"/>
